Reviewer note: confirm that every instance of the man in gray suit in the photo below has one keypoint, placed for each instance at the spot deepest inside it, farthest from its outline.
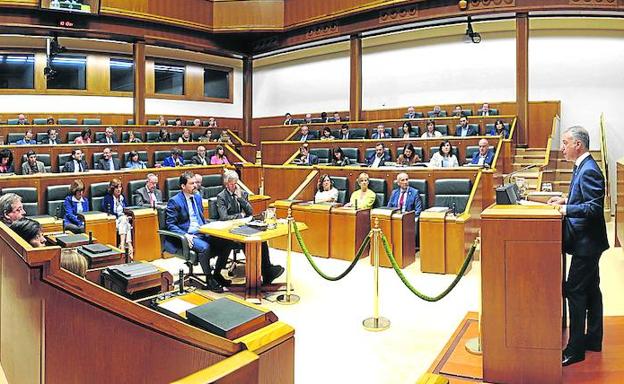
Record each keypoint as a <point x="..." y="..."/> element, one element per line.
<point x="108" y="162"/>
<point x="233" y="203"/>
<point x="32" y="165"/>
<point x="149" y="195"/>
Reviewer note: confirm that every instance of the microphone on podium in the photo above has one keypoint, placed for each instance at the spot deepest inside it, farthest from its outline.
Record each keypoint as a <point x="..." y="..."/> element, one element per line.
<point x="530" y="166"/>
<point x="508" y="193"/>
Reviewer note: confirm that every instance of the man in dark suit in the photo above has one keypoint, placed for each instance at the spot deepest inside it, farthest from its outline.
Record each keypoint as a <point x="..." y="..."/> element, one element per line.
<point x="411" y="113"/>
<point x="75" y="163"/>
<point x="380" y="133"/>
<point x="52" y="138"/>
<point x="585" y="238"/>
<point x="485" y="155"/>
<point x="12" y="208"/>
<point x="109" y="136"/>
<point x="344" y="132"/>
<point x="149" y="194"/>
<point x="175" y="160"/>
<point x="405" y="197"/>
<point x="379" y="157"/>
<point x="21" y="119"/>
<point x="107" y="162"/>
<point x="305" y="134"/>
<point x="485" y="110"/>
<point x="232" y="203"/>
<point x="288" y="120"/>
<point x="184" y="215"/>
<point x="200" y="158"/>
<point x="464" y="129"/>
<point x="305" y="157"/>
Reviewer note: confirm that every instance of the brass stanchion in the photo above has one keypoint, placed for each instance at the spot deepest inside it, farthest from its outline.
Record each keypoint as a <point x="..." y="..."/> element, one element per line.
<point x="288" y="298"/>
<point x="473" y="345"/>
<point x="376" y="323"/>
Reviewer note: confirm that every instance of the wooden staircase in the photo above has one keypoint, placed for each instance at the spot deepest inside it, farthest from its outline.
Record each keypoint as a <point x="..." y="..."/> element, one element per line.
<point x="525" y="157"/>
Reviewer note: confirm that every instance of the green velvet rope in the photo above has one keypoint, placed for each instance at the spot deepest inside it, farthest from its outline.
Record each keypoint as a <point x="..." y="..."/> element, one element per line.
<point x="316" y="268"/>
<point x="414" y="290"/>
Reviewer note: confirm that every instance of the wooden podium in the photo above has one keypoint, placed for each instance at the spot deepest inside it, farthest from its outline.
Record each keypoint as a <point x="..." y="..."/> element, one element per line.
<point x="399" y="229"/>
<point x="521" y="269"/>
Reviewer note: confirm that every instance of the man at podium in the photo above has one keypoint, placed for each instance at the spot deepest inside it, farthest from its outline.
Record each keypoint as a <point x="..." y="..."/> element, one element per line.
<point x="585" y="238"/>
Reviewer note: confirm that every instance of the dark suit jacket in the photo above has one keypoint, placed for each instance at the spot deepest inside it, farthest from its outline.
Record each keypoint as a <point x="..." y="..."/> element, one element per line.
<point x="492" y="132"/>
<point x="376" y="135"/>
<point x="312" y="159"/>
<point x="371" y="159"/>
<point x="169" y="162"/>
<point x="412" y="200"/>
<point x="197" y="160"/>
<point x="103" y="164"/>
<point x="472" y="131"/>
<point x="310" y="136"/>
<point x="584" y="231"/>
<point x="69" y="166"/>
<point x="108" y="205"/>
<point x="103" y="140"/>
<point x="177" y="217"/>
<point x="227" y="207"/>
<point x="47" y="142"/>
<point x="143" y="196"/>
<point x="489" y="158"/>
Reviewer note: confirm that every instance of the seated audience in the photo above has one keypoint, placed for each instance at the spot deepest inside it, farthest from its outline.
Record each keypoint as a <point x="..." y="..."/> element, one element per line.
<point x="224" y="137"/>
<point x="344" y="132"/>
<point x="196" y="123"/>
<point x="84" y="138"/>
<point x="107" y="162"/>
<point x="185" y="215"/>
<point x="444" y="157"/>
<point x="12" y="208"/>
<point x="379" y="158"/>
<point x="485" y="110"/>
<point x="457" y="111"/>
<point x="21" y="119"/>
<point x="30" y="231"/>
<point x="308" y="118"/>
<point x="304" y="134"/>
<point x="175" y="160"/>
<point x="219" y="157"/>
<point x="200" y="157"/>
<point x="52" y="138"/>
<point x="411" y="113"/>
<point x="380" y="133"/>
<point x="178" y="122"/>
<point x="207" y="136"/>
<point x="132" y="137"/>
<point x="32" y="165"/>
<point x="324" y="118"/>
<point x="74" y="262"/>
<point x="50" y="121"/>
<point x="109" y="136"/>
<point x="114" y="203"/>
<point x="338" y="158"/>
<point x="405" y="198"/>
<point x="27" y="139"/>
<point x="499" y="130"/>
<point x="431" y="131"/>
<point x="305" y="157"/>
<point x="337" y="117"/>
<point x="75" y="163"/>
<point x="186" y="136"/>
<point x="485" y="155"/>
<point x="409" y="156"/>
<point x="75" y="203"/>
<point x="325" y="190"/>
<point x="406" y="130"/>
<point x="212" y="122"/>
<point x="363" y="198"/>
<point x="6" y="161"/>
<point x="134" y="162"/>
<point x="465" y="129"/>
<point x="163" y="136"/>
<point x="161" y="121"/>
<point x="233" y="203"/>
<point x="149" y="194"/>
<point x="437" y="112"/>
<point x="288" y="120"/>
<point x="199" y="179"/>
<point x="326" y="134"/>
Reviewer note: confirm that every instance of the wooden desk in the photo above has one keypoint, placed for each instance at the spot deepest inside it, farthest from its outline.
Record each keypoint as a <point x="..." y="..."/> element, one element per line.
<point x="253" y="249"/>
<point x="102" y="225"/>
<point x="521" y="268"/>
<point x="400" y="230"/>
<point x="349" y="229"/>
<point x="145" y="239"/>
<point x="432" y="239"/>
<point x="49" y="223"/>
<point x="158" y="282"/>
<point x="113" y="257"/>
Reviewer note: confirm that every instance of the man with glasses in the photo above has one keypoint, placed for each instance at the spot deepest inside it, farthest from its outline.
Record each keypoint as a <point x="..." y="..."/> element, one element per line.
<point x="108" y="162"/>
<point x="149" y="194"/>
<point x="485" y="156"/>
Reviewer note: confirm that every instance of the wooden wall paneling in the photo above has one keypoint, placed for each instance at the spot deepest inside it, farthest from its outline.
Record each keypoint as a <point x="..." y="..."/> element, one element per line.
<point x="355" y="92"/>
<point x="40" y="79"/>
<point x="280" y="184"/>
<point x="194" y="81"/>
<point x="539" y="128"/>
<point x="248" y="15"/>
<point x="522" y="78"/>
<point x="98" y="74"/>
<point x="140" y="86"/>
<point x="150" y="81"/>
<point x="20" y="3"/>
<point x="274" y="133"/>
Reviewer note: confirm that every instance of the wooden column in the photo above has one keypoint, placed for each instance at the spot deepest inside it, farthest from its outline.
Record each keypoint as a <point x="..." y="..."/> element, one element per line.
<point x="355" y="93"/>
<point x="522" y="78"/>
<point x="248" y="98"/>
<point x="139" y="83"/>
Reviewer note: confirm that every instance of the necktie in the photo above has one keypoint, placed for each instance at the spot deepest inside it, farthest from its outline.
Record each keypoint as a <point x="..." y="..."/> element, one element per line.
<point x="402" y="200"/>
<point x="199" y="217"/>
<point x="79" y="166"/>
<point x="574" y="169"/>
<point x="236" y="203"/>
<point x="152" y="199"/>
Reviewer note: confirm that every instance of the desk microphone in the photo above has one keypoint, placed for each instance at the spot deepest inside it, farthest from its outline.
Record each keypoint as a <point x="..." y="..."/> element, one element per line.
<point x="530" y="166"/>
<point x="90" y="237"/>
<point x="181" y="279"/>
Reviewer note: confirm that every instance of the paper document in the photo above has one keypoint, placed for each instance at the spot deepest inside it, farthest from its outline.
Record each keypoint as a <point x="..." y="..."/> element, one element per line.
<point x="527" y="202"/>
<point x="177" y="305"/>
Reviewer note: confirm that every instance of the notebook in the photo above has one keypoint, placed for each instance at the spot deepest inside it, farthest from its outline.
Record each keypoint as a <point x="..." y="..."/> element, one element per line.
<point x="226" y="318"/>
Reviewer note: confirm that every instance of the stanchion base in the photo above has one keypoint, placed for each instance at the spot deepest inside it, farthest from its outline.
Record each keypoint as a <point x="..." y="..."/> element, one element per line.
<point x="376" y="324"/>
<point x="473" y="346"/>
<point x="288" y="299"/>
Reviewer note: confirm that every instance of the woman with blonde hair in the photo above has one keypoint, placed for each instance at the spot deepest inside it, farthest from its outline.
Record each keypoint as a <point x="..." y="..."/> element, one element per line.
<point x="363" y="198"/>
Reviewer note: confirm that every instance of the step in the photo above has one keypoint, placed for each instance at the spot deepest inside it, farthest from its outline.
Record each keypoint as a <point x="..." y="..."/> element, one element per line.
<point x="530" y="160"/>
<point x="520" y="165"/>
<point x="520" y="151"/>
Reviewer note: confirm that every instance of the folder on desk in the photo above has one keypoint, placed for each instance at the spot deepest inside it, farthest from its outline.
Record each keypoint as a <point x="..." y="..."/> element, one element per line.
<point x="245" y="230"/>
<point x="133" y="270"/>
<point x="227" y="318"/>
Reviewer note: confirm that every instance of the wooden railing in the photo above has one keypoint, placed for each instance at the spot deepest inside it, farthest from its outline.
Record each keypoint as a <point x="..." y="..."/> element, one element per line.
<point x="555" y="125"/>
<point x="605" y="164"/>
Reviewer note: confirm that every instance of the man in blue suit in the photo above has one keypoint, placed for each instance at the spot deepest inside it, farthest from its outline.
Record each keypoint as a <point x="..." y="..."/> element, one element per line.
<point x="379" y="157"/>
<point x="585" y="238"/>
<point x="305" y="157"/>
<point x="464" y="129"/>
<point x="184" y="215"/>
<point x="175" y="160"/>
<point x="405" y="197"/>
<point x="485" y="155"/>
